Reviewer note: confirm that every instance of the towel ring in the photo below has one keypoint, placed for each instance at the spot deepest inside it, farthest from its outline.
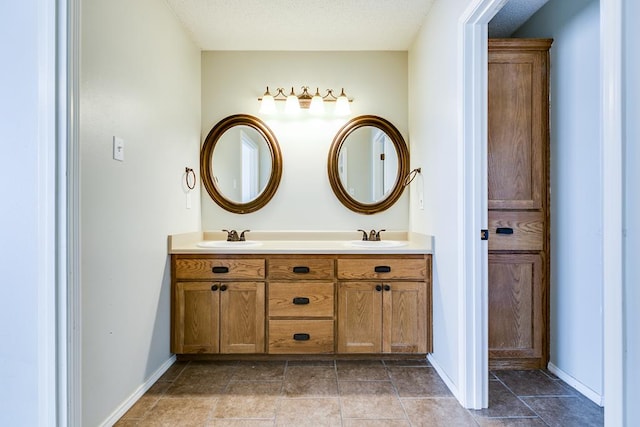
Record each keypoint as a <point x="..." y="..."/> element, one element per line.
<point x="189" y="172"/>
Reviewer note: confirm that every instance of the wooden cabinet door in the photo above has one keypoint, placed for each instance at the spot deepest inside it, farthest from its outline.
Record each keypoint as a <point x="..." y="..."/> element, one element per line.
<point x="359" y="318"/>
<point x="516" y="313"/>
<point x="242" y="317"/>
<point x="517" y="129"/>
<point x="196" y="326"/>
<point x="404" y="317"/>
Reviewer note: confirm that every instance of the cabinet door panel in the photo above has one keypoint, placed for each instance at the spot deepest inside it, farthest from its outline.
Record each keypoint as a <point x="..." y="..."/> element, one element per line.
<point x="360" y="318"/>
<point x="516" y="130"/>
<point x="196" y="329"/>
<point x="405" y="318"/>
<point x="242" y="318"/>
<point x="515" y="305"/>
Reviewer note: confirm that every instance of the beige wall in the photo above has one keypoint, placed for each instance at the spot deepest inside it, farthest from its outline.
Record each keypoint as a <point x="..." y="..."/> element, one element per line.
<point x="140" y="80"/>
<point x="231" y="84"/>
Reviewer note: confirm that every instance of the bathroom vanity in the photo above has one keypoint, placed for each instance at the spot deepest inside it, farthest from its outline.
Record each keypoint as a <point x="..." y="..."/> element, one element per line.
<point x="300" y="296"/>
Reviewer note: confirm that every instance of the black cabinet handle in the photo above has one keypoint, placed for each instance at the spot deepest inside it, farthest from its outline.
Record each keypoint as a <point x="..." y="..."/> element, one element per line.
<point x="379" y="288"/>
<point x="301" y="270"/>
<point x="382" y="269"/>
<point x="387" y="288"/>
<point x="504" y="230"/>
<point x="300" y="300"/>
<point x="220" y="269"/>
<point x="223" y="288"/>
<point x="301" y="337"/>
<point x="214" y="288"/>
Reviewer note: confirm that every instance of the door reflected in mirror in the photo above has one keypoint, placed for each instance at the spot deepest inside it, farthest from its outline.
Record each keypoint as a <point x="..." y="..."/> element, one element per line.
<point x="241" y="164"/>
<point x="368" y="164"/>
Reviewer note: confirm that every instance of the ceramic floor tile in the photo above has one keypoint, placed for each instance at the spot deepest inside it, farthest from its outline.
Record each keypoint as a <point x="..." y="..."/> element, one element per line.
<point x="301" y="381"/>
<point x="309" y="412"/>
<point x="370" y="399"/>
<point x="311" y="362"/>
<point x="349" y="370"/>
<point x="437" y="412"/>
<point x="240" y="423"/>
<point x="407" y="362"/>
<point x="146" y="402"/>
<point x="533" y="383"/>
<point x="259" y="371"/>
<point x="503" y="403"/>
<point x="179" y="412"/>
<point x="196" y="389"/>
<point x="574" y="411"/>
<point x="172" y="373"/>
<point x="349" y="422"/>
<point x="510" y="422"/>
<point x="418" y="382"/>
<point x="206" y="373"/>
<point x="248" y="399"/>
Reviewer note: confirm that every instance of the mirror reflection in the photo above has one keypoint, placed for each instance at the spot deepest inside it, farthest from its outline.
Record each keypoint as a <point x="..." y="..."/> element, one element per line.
<point x="241" y="164"/>
<point x="368" y="164"/>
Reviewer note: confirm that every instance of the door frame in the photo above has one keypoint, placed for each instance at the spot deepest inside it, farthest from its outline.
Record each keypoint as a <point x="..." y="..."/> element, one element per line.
<point x="473" y="333"/>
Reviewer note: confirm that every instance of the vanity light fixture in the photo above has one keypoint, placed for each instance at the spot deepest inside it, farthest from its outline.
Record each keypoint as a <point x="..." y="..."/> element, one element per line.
<point x="313" y="103"/>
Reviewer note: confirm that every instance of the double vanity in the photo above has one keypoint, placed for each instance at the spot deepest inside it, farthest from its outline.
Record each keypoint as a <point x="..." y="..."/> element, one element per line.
<point x="300" y="293"/>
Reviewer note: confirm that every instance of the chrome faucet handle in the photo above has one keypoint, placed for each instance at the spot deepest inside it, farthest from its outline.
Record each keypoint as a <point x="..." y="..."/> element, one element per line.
<point x="378" y="234"/>
<point x="364" y="235"/>
<point x="242" y="239"/>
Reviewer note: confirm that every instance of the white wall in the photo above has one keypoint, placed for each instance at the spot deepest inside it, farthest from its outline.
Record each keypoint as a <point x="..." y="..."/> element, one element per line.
<point x="27" y="213"/>
<point x="631" y="136"/>
<point x="231" y="84"/>
<point x="576" y="187"/>
<point x="434" y="126"/>
<point x="140" y="80"/>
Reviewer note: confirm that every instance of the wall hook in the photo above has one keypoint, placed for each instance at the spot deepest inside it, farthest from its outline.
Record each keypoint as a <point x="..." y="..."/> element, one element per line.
<point x="411" y="176"/>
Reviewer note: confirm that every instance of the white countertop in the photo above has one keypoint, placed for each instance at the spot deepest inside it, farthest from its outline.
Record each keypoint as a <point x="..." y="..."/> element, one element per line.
<point x="301" y="242"/>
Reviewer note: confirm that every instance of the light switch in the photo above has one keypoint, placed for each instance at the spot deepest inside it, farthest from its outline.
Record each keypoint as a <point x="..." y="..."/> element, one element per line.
<point x="118" y="149"/>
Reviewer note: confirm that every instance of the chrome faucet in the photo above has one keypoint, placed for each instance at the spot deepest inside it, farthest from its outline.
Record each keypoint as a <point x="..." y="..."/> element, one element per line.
<point x="373" y="235"/>
<point x="232" y="235"/>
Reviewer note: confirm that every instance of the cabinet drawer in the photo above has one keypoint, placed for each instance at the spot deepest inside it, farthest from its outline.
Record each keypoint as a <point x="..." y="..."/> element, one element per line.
<point x="301" y="299"/>
<point x="300" y="336"/>
<point x="301" y="269"/>
<point x="219" y="268"/>
<point x="516" y="231"/>
<point x="382" y="268"/>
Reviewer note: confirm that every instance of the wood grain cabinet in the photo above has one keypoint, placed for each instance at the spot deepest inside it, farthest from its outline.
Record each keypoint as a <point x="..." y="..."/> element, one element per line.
<point x="384" y="305"/>
<point x="218" y="305"/>
<point x="301" y="305"/>
<point x="518" y="181"/>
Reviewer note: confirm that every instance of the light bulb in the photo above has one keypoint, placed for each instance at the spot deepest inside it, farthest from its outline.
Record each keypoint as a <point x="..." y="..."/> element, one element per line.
<point x="342" y="105"/>
<point x="317" y="103"/>
<point x="292" y="106"/>
<point x="268" y="104"/>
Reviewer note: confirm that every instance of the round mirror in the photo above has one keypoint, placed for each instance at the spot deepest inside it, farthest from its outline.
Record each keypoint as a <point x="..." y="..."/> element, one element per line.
<point x="241" y="164"/>
<point x="368" y="162"/>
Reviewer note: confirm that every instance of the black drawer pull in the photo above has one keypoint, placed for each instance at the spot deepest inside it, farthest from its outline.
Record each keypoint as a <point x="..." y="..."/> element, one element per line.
<point x="214" y="288"/>
<point x="382" y="269"/>
<point x="379" y="288"/>
<point x="301" y="270"/>
<point x="387" y="288"/>
<point x="300" y="300"/>
<point x="301" y="337"/>
<point x="223" y="288"/>
<point x="504" y="230"/>
<point x="220" y="269"/>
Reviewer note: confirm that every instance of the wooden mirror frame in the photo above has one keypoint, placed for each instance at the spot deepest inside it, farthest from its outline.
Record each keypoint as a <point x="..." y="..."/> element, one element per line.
<point x="206" y="160"/>
<point x="403" y="164"/>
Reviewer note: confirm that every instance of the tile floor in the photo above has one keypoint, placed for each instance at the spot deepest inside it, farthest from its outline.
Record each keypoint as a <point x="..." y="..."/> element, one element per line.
<point x="350" y="393"/>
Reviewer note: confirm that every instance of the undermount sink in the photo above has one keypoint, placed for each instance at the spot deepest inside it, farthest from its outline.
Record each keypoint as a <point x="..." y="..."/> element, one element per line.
<point x="226" y="244"/>
<point x="377" y="244"/>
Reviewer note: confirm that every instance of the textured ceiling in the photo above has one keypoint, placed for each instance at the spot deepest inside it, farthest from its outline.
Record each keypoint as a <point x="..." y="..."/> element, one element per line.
<point x="512" y="16"/>
<point x="302" y="24"/>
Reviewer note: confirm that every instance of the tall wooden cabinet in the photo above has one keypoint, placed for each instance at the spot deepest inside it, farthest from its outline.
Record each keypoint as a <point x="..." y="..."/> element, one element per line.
<point x="518" y="184"/>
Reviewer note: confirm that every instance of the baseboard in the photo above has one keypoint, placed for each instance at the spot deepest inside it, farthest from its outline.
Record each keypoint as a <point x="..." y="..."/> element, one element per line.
<point x="583" y="389"/>
<point x="131" y="400"/>
<point x="452" y="388"/>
